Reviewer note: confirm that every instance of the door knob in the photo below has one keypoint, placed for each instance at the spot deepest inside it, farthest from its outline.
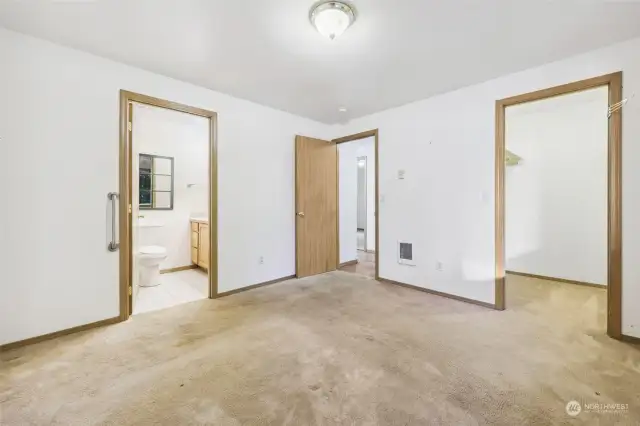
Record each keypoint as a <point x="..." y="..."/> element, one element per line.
<point x="301" y="214"/>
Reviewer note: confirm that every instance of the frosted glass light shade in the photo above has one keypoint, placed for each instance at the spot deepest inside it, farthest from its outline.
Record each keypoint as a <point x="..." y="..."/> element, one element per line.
<point x="332" y="18"/>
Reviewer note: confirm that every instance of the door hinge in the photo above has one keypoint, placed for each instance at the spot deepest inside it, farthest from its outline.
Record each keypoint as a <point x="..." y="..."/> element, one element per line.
<point x="130" y="290"/>
<point x="130" y="211"/>
<point x="129" y="126"/>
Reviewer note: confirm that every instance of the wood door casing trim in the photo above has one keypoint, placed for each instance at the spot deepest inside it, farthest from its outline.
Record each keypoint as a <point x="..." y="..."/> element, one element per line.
<point x="350" y="138"/>
<point x="356" y="136"/>
<point x="129" y="193"/>
<point x="127" y="97"/>
<point x="614" y="190"/>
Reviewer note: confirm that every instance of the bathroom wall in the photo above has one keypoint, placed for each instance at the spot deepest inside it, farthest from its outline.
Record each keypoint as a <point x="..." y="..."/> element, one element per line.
<point x="184" y="137"/>
<point x="59" y="124"/>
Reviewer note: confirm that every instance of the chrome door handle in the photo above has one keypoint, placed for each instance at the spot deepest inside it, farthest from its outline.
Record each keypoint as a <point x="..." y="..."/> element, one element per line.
<point x="113" y="244"/>
<point x="301" y="214"/>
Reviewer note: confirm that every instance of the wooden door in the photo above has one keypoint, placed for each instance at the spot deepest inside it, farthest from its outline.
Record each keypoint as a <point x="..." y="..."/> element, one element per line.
<point x="316" y="206"/>
<point x="203" y="246"/>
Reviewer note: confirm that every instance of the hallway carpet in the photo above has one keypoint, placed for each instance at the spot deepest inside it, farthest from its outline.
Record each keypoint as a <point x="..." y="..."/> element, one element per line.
<point x="335" y="349"/>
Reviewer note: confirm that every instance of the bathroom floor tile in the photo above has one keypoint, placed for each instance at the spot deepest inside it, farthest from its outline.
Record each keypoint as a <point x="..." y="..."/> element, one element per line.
<point x="176" y="288"/>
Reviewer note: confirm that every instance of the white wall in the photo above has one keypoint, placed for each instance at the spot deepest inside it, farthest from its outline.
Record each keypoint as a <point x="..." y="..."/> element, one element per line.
<point x="367" y="149"/>
<point x="348" y="154"/>
<point x="556" y="198"/>
<point x="362" y="193"/>
<point x="348" y="201"/>
<point x="446" y="203"/>
<point x="184" y="137"/>
<point x="59" y="117"/>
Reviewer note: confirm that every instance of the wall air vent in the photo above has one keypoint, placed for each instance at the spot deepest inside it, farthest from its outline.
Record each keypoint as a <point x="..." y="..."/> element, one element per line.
<point x="405" y="253"/>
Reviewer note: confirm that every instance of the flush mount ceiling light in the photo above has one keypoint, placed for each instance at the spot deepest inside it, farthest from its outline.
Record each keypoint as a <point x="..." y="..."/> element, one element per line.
<point x="332" y="18"/>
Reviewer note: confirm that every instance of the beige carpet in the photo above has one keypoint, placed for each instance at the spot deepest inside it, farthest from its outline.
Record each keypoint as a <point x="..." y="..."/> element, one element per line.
<point x="337" y="349"/>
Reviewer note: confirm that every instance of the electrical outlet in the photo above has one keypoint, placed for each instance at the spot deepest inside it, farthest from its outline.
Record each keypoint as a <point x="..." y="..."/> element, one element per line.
<point x="439" y="266"/>
<point x="261" y="260"/>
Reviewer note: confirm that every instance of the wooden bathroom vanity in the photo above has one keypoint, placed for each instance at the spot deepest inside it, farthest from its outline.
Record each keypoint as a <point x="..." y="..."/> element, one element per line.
<point x="200" y="243"/>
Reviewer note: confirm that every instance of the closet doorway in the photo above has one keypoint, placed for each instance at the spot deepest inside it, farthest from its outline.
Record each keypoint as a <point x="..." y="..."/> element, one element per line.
<point x="611" y="205"/>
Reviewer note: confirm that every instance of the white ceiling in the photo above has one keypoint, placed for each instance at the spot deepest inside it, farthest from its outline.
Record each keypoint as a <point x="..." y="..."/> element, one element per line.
<point x="266" y="51"/>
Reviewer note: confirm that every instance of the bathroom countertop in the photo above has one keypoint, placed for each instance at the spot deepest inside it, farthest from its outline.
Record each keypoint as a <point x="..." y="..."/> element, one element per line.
<point x="200" y="220"/>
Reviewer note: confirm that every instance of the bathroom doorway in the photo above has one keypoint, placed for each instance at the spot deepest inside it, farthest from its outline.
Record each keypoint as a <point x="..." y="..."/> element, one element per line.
<point x="168" y="205"/>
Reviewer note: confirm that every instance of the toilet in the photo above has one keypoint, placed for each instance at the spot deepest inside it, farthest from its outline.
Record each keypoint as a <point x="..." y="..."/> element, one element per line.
<point x="149" y="260"/>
